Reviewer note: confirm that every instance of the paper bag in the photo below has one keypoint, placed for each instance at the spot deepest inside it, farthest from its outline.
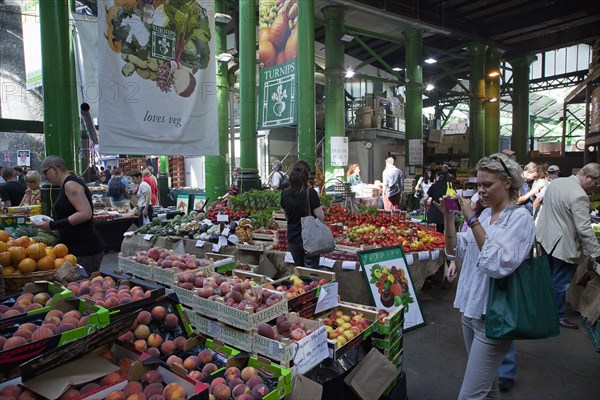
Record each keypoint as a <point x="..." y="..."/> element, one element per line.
<point x="305" y="389"/>
<point x="371" y="376"/>
<point x="67" y="273"/>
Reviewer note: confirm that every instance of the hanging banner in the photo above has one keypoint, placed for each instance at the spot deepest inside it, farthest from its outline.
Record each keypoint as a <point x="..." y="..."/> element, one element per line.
<point x="32" y="43"/>
<point x="339" y="151"/>
<point x="278" y="50"/>
<point x="157" y="75"/>
<point x="23" y="158"/>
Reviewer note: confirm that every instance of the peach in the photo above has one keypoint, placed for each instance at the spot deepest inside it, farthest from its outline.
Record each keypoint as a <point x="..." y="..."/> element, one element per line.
<point x="90" y="387"/>
<point x="11" y="391"/>
<point x="180" y="342"/>
<point x="70" y="320"/>
<point x="137" y="396"/>
<point x="125" y="364"/>
<point x="52" y="327"/>
<point x="240" y="390"/>
<point x="174" y="391"/>
<point x="209" y="369"/>
<point x="260" y="391"/>
<point x="235" y="382"/>
<point x="191" y="363"/>
<point x="144" y="317"/>
<point x="28" y="297"/>
<point x="253" y="381"/>
<point x="246" y="396"/>
<point x="27" y="395"/>
<point x="110" y="379"/>
<point x="83" y="321"/>
<point x="197" y="375"/>
<point x="54" y="320"/>
<point x="152" y="376"/>
<point x="71" y="394"/>
<point x="125" y="300"/>
<point x="205" y="356"/>
<point x="24" y="333"/>
<point x="171" y="321"/>
<point x="64" y="327"/>
<point x="2" y="342"/>
<point x="140" y="345"/>
<point x="174" y="360"/>
<point x="167" y="348"/>
<point x="132" y="387"/>
<point x="142" y="332"/>
<point x="157" y="397"/>
<point x="154" y="339"/>
<point x="116" y="395"/>
<point x="153" y="389"/>
<point x="127" y="337"/>
<point x="159" y="313"/>
<point x="55" y="313"/>
<point x="222" y="392"/>
<point x="110" y="356"/>
<point x="153" y="352"/>
<point x="41" y="298"/>
<point x="12" y="313"/>
<point x="13" y="342"/>
<point x="216" y="382"/>
<point x="232" y="372"/>
<point x="248" y="372"/>
<point x="72" y="314"/>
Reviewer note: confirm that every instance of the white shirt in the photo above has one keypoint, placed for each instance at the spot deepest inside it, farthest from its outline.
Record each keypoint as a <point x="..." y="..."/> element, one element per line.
<point x="508" y="242"/>
<point x="143" y="189"/>
<point x="543" y="183"/>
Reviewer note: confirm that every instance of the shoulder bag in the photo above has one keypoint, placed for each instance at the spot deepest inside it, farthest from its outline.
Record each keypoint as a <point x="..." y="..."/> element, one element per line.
<point x="522" y="305"/>
<point x="317" y="238"/>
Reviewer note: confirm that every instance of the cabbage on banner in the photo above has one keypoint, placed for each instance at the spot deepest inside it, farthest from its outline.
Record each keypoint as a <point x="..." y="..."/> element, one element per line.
<point x="161" y="88"/>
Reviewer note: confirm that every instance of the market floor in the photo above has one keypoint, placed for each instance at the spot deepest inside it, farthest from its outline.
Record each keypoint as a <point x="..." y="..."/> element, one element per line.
<point x="565" y="367"/>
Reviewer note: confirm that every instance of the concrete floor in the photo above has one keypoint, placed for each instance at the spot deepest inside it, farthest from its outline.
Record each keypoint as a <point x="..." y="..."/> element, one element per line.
<point x="565" y="367"/>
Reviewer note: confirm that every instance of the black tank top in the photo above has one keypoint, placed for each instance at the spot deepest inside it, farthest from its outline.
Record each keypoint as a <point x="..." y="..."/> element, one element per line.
<point x="82" y="239"/>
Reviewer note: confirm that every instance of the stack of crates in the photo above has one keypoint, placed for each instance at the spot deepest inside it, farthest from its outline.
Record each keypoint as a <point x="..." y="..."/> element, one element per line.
<point x="388" y="339"/>
<point x="130" y="165"/>
<point x="177" y="171"/>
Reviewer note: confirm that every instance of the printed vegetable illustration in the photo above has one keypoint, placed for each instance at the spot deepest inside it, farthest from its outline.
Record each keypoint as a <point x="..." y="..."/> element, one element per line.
<point x="277" y="35"/>
<point x="392" y="286"/>
<point x="162" y="41"/>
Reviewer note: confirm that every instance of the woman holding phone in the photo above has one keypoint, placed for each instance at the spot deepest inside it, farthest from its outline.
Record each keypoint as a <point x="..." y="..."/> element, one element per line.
<point x="436" y="191"/>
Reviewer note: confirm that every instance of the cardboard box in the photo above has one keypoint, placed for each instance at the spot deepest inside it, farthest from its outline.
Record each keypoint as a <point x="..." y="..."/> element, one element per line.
<point x="222" y="333"/>
<point x="12" y="358"/>
<point x="394" y="319"/>
<point x="435" y="135"/>
<point x="307" y="275"/>
<point x="10" y="222"/>
<point x="55" y="290"/>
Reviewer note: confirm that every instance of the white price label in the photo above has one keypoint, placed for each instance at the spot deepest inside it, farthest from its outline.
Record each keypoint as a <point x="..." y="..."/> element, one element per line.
<point x="199" y="243"/>
<point x="409" y="259"/>
<point x="326" y="262"/>
<point x="215" y="329"/>
<point x="148" y="237"/>
<point x="128" y="234"/>
<point x="328" y="297"/>
<point x="222" y="241"/>
<point x="349" y="265"/>
<point x="423" y="255"/>
<point x="179" y="249"/>
<point x="207" y="222"/>
<point x="163" y="217"/>
<point x="435" y="254"/>
<point x="225" y="232"/>
<point x="312" y="352"/>
<point x="276" y="349"/>
<point x="233" y="239"/>
<point x="216" y="248"/>
<point x="222" y="218"/>
<point x="288" y="258"/>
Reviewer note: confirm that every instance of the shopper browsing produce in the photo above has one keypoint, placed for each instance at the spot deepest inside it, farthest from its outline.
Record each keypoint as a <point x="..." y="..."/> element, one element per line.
<point x="295" y="204"/>
<point x="144" y="194"/>
<point x="393" y="185"/>
<point x="118" y="189"/>
<point x="495" y="245"/>
<point x="33" y="193"/>
<point x="73" y="212"/>
<point x="11" y="192"/>
<point x="353" y="175"/>
<point x="150" y="180"/>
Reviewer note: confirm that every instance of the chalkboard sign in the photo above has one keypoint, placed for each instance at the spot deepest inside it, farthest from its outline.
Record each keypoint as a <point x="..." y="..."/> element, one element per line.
<point x="387" y="274"/>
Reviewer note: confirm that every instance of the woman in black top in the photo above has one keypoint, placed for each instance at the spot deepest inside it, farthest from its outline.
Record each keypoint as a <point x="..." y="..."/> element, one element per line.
<point x="73" y="215"/>
<point x="295" y="205"/>
<point x="437" y="190"/>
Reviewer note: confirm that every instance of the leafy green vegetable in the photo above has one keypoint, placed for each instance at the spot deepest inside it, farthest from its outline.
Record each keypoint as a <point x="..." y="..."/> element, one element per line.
<point x="190" y="21"/>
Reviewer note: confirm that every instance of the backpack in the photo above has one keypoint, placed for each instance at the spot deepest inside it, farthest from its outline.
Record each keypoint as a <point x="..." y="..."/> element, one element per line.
<point x="284" y="181"/>
<point x="115" y="187"/>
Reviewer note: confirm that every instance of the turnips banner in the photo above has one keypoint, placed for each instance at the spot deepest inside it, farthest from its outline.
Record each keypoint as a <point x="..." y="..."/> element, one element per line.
<point x="157" y="77"/>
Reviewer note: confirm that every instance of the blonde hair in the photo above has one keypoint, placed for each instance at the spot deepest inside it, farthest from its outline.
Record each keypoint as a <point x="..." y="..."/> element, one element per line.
<point x="504" y="167"/>
<point x="33" y="177"/>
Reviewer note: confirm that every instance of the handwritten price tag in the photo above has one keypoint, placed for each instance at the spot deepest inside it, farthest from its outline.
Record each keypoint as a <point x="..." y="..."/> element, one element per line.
<point x="199" y="243"/>
<point x="225" y="232"/>
<point x="326" y="262"/>
<point x="148" y="237"/>
<point x="288" y="258"/>
<point x="233" y="239"/>
<point x="328" y="297"/>
<point x="313" y="350"/>
<point x="216" y="248"/>
<point x="222" y="218"/>
<point x="215" y="329"/>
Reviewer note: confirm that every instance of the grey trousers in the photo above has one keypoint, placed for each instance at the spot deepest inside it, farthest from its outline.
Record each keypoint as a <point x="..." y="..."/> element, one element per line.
<point x="484" y="357"/>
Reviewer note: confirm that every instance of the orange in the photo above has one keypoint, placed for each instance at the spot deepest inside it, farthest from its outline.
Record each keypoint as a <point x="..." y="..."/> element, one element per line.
<point x="3" y="246"/>
<point x="4" y="235"/>
<point x="36" y="251"/>
<point x="8" y="271"/>
<point x="59" y="262"/>
<point x="23" y="241"/>
<point x="61" y="250"/>
<point x="32" y="241"/>
<point x="5" y="258"/>
<point x="50" y="253"/>
<point x="17" y="254"/>
<point x="71" y="258"/>
<point x="27" y="265"/>
<point x="45" y="263"/>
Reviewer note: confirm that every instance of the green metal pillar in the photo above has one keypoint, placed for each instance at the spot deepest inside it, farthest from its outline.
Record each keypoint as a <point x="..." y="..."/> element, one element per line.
<point x="163" y="180"/>
<point x="249" y="178"/>
<point x="531" y="134"/>
<point x="520" y="123"/>
<point x="492" y="101"/>
<point x="477" y="97"/>
<point x="215" y="170"/>
<point x="306" y="83"/>
<point x="77" y="131"/>
<point x="56" y="75"/>
<point x="414" y="89"/>
<point x="334" y="82"/>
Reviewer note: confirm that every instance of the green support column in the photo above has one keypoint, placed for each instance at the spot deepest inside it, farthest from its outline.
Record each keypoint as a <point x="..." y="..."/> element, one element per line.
<point x="56" y="75"/>
<point x="531" y="135"/>
<point x="78" y="159"/>
<point x="520" y="123"/>
<point x="249" y="178"/>
<point x="334" y="81"/>
<point x="414" y="89"/>
<point x="492" y="108"/>
<point x="476" y="110"/>
<point x="306" y="83"/>
<point x="163" y="180"/>
<point x="215" y="170"/>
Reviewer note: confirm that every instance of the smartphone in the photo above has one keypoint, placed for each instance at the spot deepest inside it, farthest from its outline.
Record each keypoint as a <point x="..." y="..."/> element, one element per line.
<point x="452" y="204"/>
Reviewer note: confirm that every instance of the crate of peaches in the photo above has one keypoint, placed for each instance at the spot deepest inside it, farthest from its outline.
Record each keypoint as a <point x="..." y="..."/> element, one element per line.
<point x="36" y="297"/>
<point x="303" y="286"/>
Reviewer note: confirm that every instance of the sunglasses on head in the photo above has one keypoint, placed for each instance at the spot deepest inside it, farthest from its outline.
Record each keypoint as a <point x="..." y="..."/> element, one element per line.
<point x="498" y="159"/>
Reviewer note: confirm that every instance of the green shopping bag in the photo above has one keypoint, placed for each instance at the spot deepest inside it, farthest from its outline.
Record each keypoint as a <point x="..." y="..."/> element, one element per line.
<point x="522" y="305"/>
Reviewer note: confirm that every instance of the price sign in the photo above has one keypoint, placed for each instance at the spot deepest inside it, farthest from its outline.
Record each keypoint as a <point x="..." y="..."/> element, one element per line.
<point x="222" y="241"/>
<point x="225" y="232"/>
<point x="214" y="329"/>
<point x="179" y="249"/>
<point x="313" y="350"/>
<point x="222" y="218"/>
<point x="148" y="237"/>
<point x="276" y="349"/>
<point x="216" y="248"/>
<point x="199" y="243"/>
<point x="328" y="297"/>
<point x="288" y="258"/>
<point x="326" y="262"/>
<point x="423" y="255"/>
<point x="435" y="254"/>
<point x="349" y="265"/>
<point x="128" y="234"/>
<point x="233" y="239"/>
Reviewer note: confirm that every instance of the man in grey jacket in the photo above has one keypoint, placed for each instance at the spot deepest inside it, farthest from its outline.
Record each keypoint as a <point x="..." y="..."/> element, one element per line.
<point x="564" y="228"/>
<point x="393" y="183"/>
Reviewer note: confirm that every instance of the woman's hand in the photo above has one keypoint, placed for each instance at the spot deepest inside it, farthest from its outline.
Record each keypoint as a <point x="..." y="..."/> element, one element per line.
<point x="44" y="225"/>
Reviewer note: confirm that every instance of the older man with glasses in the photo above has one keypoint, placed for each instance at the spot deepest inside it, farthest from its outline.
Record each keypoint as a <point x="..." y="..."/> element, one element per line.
<point x="564" y="227"/>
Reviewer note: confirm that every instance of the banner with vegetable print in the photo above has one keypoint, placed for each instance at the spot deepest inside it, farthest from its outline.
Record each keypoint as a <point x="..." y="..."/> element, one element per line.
<point x="277" y="49"/>
<point x="157" y="76"/>
<point x="390" y="283"/>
